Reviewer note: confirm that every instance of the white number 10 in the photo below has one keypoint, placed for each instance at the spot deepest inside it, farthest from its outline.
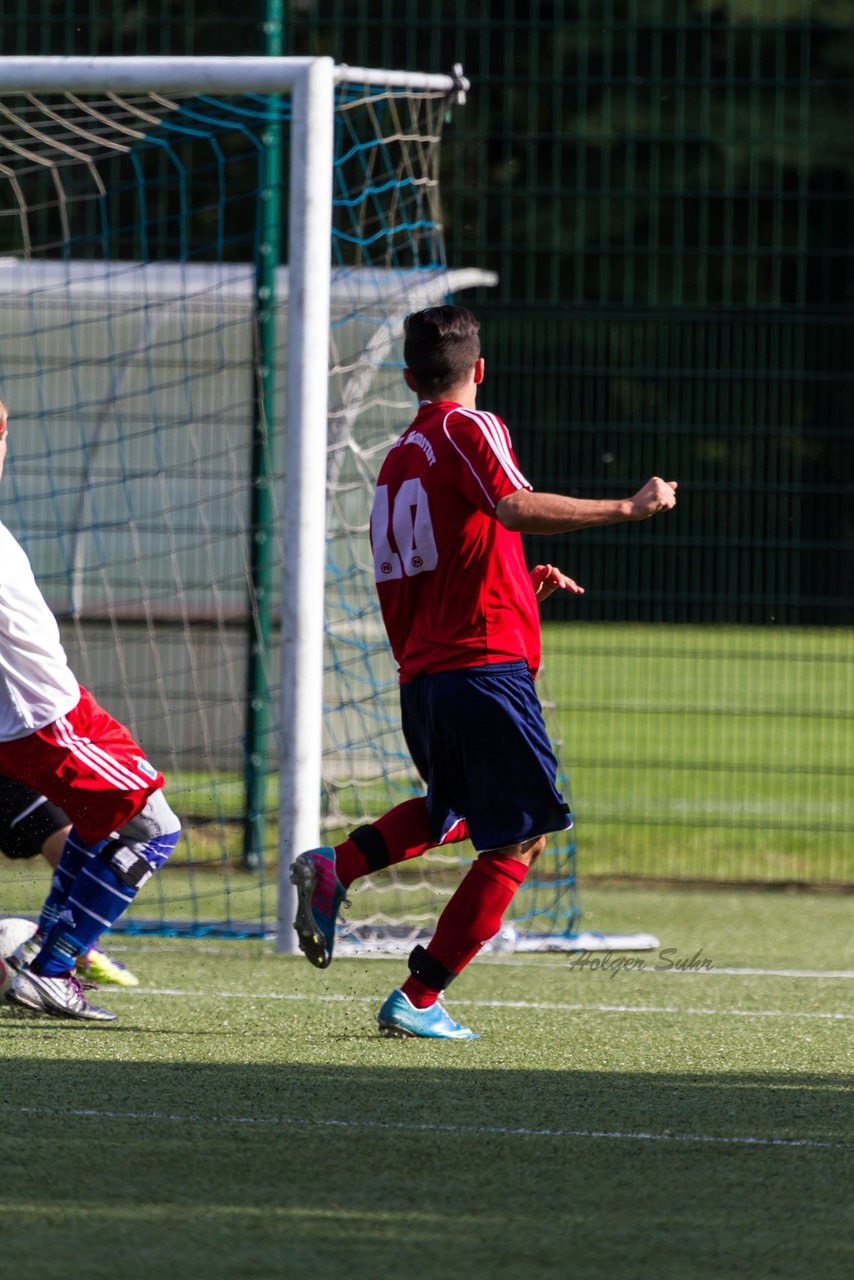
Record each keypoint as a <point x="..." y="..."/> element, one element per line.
<point x="411" y="529"/>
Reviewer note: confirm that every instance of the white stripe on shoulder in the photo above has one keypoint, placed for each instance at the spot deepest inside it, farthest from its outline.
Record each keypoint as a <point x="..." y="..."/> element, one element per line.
<point x="498" y="438"/>
<point x="454" y="445"/>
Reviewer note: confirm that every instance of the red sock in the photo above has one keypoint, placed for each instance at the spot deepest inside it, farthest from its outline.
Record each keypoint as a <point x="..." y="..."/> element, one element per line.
<point x="470" y="919"/>
<point x="350" y="863"/>
<point x="404" y="832"/>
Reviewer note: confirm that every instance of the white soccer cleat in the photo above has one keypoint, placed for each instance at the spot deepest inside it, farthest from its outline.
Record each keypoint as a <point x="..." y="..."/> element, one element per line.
<point x="60" y="997"/>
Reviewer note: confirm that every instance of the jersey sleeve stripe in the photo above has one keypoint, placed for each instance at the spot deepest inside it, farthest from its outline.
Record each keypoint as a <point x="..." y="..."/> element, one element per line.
<point x="498" y="438"/>
<point x="454" y="445"/>
<point x="501" y="444"/>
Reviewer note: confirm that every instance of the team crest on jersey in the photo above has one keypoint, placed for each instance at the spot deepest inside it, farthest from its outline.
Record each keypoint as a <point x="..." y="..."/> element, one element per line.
<point x="144" y="767"/>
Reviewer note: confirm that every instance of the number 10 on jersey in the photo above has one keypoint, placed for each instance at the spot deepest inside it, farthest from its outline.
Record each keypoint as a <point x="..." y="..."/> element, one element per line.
<point x="402" y="537"/>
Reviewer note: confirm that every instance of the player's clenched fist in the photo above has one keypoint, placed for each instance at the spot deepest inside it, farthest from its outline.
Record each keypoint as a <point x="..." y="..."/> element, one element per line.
<point x="656" y="495"/>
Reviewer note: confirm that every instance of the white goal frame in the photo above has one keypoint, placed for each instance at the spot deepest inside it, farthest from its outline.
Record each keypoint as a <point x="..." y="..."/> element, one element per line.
<point x="311" y="84"/>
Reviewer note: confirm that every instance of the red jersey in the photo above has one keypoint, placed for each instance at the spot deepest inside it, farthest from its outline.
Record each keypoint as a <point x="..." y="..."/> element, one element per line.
<point x="452" y="581"/>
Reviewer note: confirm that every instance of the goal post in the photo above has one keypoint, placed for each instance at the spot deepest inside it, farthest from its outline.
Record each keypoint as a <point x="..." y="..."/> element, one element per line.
<point x="131" y="344"/>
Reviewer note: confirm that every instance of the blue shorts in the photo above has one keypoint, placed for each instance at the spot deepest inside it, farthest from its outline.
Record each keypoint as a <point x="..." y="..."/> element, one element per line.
<point x="478" y="739"/>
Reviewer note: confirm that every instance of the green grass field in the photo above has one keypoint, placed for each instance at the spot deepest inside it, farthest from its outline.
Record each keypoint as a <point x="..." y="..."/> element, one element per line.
<point x="243" y="1118"/>
<point x="719" y="753"/>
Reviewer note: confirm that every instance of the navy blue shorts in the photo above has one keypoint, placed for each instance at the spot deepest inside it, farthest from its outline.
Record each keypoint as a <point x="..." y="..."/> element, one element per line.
<point x="478" y="739"/>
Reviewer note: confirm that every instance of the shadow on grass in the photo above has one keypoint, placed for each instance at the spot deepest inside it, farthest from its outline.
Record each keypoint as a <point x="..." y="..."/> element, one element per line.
<point x="258" y="1170"/>
<point x="813" y="1108"/>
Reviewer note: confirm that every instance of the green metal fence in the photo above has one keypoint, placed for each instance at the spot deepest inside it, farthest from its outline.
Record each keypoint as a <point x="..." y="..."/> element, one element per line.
<point x="680" y="152"/>
<point x="746" y="410"/>
<point x="665" y="190"/>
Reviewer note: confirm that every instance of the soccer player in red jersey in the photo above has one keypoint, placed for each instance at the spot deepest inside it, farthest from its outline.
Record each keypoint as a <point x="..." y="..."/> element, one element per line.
<point x="56" y="739"/>
<point x="461" y="610"/>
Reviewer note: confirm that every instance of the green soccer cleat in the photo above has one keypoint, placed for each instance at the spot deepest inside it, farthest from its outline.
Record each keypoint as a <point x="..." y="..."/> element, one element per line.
<point x="96" y="965"/>
<point x="399" y="1019"/>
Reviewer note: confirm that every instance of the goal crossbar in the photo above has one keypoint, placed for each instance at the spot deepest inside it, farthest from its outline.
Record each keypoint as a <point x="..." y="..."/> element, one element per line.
<point x="224" y="75"/>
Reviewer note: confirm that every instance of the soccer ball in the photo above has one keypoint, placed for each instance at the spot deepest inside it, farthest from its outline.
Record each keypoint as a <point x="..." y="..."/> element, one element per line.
<point x="504" y="942"/>
<point x="14" y="932"/>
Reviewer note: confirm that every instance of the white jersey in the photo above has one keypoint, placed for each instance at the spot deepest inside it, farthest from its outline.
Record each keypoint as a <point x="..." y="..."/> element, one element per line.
<point x="37" y="686"/>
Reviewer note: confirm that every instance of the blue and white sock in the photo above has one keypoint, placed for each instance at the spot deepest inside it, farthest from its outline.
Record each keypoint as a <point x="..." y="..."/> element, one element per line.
<point x="94" y="901"/>
<point x="75" y="855"/>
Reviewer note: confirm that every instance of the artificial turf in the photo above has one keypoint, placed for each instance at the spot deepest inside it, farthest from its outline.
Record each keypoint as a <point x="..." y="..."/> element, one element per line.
<point x="243" y="1118"/>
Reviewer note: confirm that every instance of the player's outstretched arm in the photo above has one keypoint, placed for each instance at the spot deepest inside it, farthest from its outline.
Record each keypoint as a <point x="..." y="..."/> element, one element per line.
<point x="527" y="511"/>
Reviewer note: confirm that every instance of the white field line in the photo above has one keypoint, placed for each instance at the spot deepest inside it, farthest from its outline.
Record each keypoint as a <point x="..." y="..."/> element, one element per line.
<point x="666" y="970"/>
<point x="612" y="961"/>
<point x="287" y="1122"/>
<point x="538" y="1005"/>
<point x="533" y="960"/>
<point x="776" y="973"/>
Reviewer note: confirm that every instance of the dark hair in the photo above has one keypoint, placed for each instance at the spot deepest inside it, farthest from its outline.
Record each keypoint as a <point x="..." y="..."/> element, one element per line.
<point x="440" y="346"/>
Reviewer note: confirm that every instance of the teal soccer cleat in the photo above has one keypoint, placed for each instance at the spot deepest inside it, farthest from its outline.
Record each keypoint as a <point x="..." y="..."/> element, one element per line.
<point x="320" y="896"/>
<point x="399" y="1018"/>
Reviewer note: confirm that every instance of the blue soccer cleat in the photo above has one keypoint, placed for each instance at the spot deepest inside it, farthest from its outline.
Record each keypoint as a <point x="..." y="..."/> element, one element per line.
<point x="400" y="1019"/>
<point x="320" y="896"/>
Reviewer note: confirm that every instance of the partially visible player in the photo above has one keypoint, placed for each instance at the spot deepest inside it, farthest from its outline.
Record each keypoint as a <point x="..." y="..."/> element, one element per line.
<point x="55" y="738"/>
<point x="31" y="826"/>
<point x="461" y="610"/>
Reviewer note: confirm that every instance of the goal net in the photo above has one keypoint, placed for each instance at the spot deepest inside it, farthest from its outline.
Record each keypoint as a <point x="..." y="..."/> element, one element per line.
<point x="146" y="343"/>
